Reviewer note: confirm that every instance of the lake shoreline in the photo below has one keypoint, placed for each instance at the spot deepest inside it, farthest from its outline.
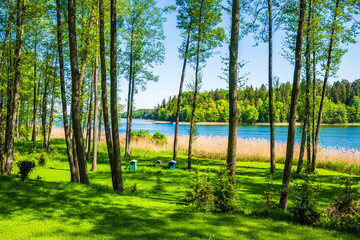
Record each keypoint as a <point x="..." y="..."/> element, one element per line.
<point x="256" y="124"/>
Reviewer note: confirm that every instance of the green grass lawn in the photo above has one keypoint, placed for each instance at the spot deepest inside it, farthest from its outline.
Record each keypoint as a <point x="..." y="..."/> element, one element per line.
<point x="47" y="206"/>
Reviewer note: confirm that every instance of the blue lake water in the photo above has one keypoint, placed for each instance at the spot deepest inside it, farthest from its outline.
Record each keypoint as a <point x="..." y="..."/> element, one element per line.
<point x="330" y="136"/>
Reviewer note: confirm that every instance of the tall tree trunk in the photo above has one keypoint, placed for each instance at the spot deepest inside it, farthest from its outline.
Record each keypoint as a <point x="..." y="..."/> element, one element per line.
<point x="51" y="111"/>
<point x="105" y="107"/>
<point x="88" y="140"/>
<point x="302" y="146"/>
<point x="294" y="101"/>
<point x="21" y="10"/>
<point x="44" y="106"/>
<point x="113" y="96"/>
<point x="306" y="127"/>
<point x="129" y="104"/>
<point x="35" y="98"/>
<point x="6" y="40"/>
<point x="233" y="118"/>
<point x="94" y="160"/>
<point x="271" y="101"/>
<point x="73" y="170"/>
<point x="76" y="94"/>
<point x="191" y="138"/>
<point x="181" y="89"/>
<point x="326" y="76"/>
<point x="18" y="119"/>
<point x="100" y="123"/>
<point x="83" y="62"/>
<point x="131" y="107"/>
<point x="2" y="159"/>
<point x="314" y="98"/>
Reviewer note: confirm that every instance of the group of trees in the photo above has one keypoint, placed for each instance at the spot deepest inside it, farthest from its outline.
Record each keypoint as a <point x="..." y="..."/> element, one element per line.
<point x="46" y="45"/>
<point x="341" y="105"/>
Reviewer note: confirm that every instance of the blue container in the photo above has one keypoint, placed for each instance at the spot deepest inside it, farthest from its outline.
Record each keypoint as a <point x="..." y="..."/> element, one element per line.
<point x="172" y="165"/>
<point x="133" y="165"/>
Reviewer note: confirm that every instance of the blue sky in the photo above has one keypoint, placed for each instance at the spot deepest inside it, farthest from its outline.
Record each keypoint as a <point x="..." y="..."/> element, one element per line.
<point x="257" y="66"/>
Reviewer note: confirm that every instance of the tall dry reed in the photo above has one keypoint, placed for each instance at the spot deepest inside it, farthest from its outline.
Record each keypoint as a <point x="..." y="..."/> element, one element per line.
<point x="251" y="149"/>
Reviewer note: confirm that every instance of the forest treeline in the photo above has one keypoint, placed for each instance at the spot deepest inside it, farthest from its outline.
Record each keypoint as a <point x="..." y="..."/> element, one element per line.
<point x="342" y="105"/>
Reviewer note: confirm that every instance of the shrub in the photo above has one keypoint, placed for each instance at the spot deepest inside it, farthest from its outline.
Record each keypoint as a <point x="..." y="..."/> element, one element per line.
<point x="225" y="192"/>
<point x="134" y="188"/>
<point x="160" y="138"/>
<point x="200" y="192"/>
<point x="267" y="199"/>
<point x="25" y="168"/>
<point x="43" y="159"/>
<point x="344" y="213"/>
<point x="305" y="203"/>
<point x="158" y="185"/>
<point x="141" y="134"/>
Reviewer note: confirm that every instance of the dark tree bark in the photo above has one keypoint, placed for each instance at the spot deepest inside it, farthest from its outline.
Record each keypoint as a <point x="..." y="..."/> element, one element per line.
<point x="191" y="138"/>
<point x="35" y="98"/>
<point x="73" y="170"/>
<point x="2" y="159"/>
<point x="326" y="76"/>
<point x="113" y="96"/>
<point x="294" y="101"/>
<point x="306" y="127"/>
<point x="6" y="40"/>
<point x="21" y="10"/>
<point x="105" y="107"/>
<point x="233" y="118"/>
<point x="76" y="94"/>
<point x="94" y="160"/>
<point x="271" y="101"/>
<point x="51" y="111"/>
<point x="181" y="89"/>
<point x="88" y="139"/>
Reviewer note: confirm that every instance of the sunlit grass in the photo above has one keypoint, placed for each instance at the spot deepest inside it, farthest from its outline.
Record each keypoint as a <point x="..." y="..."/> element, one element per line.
<point x="47" y="206"/>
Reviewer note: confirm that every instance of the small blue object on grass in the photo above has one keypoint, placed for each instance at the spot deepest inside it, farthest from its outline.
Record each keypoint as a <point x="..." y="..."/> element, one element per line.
<point x="172" y="165"/>
<point x="133" y="164"/>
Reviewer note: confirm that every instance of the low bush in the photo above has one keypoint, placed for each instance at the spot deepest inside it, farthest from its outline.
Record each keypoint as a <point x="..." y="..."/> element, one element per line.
<point x="225" y="192"/>
<point x="160" y="138"/>
<point x="25" y="168"/>
<point x="267" y="200"/>
<point x="158" y="185"/>
<point x="344" y="212"/>
<point x="306" y="209"/>
<point x="43" y="159"/>
<point x="200" y="193"/>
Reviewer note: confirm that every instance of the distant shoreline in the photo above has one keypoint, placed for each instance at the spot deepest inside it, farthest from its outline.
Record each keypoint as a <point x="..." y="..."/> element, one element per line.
<point x="256" y="124"/>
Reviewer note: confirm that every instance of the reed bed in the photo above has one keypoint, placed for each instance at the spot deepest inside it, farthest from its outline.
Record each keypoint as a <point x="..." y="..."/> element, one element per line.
<point x="257" y="150"/>
<point x="251" y="149"/>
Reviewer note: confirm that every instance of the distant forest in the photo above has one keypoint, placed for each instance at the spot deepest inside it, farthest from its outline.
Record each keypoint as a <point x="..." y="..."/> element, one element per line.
<point x="342" y="105"/>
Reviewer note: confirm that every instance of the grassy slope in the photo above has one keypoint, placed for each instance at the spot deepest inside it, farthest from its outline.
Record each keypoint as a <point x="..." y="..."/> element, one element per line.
<point x="52" y="208"/>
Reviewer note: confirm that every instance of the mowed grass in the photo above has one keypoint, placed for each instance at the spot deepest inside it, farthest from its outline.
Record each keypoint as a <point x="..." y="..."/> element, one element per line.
<point x="47" y="206"/>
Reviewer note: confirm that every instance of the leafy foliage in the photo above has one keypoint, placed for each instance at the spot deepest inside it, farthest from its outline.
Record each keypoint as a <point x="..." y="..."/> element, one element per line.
<point x="200" y="192"/>
<point x="43" y="159"/>
<point x="344" y="213"/>
<point x="225" y="192"/>
<point x="267" y="199"/>
<point x="25" y="168"/>
<point x="305" y="208"/>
